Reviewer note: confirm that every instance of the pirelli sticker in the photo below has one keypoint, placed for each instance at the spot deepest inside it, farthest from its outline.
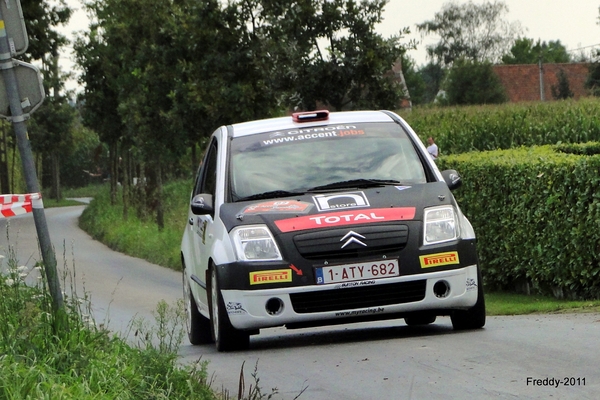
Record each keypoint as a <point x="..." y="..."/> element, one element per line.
<point x="272" y="276"/>
<point x="439" y="259"/>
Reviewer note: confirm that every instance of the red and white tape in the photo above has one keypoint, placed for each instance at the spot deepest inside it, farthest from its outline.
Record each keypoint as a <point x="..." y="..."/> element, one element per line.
<point x="17" y="204"/>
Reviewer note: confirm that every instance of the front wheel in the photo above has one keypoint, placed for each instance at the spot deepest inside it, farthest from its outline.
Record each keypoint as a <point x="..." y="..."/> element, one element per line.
<point x="474" y="317"/>
<point x="226" y="337"/>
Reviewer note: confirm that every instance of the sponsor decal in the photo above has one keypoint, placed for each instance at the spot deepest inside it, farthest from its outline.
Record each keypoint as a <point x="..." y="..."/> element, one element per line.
<point x="278" y="206"/>
<point x="235" y="308"/>
<point x="439" y="259"/>
<point x="346" y="285"/>
<point x="320" y="132"/>
<point x="329" y="220"/>
<point x="273" y="276"/>
<point x="327" y="202"/>
<point x="471" y="284"/>
<point x="366" y="311"/>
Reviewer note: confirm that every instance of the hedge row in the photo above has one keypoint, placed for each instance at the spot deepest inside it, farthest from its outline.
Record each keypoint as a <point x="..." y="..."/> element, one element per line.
<point x="464" y="129"/>
<point x="536" y="213"/>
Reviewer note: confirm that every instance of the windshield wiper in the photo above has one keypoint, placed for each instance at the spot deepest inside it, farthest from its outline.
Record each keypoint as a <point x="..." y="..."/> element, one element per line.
<point x="269" y="195"/>
<point x="355" y="183"/>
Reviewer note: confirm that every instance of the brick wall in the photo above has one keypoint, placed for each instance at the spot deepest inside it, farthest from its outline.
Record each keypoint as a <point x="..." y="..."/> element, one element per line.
<point x="522" y="82"/>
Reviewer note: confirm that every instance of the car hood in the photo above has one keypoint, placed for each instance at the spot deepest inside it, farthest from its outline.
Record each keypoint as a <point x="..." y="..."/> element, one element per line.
<point x="338" y="208"/>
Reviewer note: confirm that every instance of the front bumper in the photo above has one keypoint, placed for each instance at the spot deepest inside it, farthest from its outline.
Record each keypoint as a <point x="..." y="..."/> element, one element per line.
<point x="438" y="292"/>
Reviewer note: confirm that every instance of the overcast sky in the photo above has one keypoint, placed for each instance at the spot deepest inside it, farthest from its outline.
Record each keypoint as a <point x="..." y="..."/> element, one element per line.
<point x="573" y="22"/>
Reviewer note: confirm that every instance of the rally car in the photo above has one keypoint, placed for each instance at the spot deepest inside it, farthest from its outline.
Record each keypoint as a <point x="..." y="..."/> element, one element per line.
<point x="323" y="218"/>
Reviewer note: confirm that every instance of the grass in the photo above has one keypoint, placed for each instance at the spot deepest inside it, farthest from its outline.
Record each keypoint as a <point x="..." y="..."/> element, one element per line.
<point x="68" y="194"/>
<point x="83" y="360"/>
<point x="137" y="236"/>
<point x="498" y="303"/>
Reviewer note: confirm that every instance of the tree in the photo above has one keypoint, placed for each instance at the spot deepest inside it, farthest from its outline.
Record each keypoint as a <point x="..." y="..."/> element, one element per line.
<point x="351" y="71"/>
<point x="101" y="65"/>
<point x="414" y="80"/>
<point x="562" y="90"/>
<point x="433" y="76"/>
<point x="51" y="125"/>
<point x="40" y="19"/>
<point x="525" y="52"/>
<point x="470" y="82"/>
<point x="162" y="75"/>
<point x="475" y="32"/>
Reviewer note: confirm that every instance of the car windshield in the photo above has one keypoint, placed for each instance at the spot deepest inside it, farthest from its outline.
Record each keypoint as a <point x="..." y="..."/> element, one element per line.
<point x="276" y="164"/>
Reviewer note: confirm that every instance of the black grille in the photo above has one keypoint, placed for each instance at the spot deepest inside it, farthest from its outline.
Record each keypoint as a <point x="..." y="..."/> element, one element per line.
<point x="380" y="239"/>
<point x="359" y="297"/>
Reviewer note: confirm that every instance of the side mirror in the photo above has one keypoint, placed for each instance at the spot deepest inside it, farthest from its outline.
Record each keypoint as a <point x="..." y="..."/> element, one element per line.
<point x="202" y="204"/>
<point x="452" y="178"/>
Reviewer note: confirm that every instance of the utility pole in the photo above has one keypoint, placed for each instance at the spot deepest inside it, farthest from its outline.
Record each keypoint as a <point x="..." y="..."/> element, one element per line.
<point x="541" y="78"/>
<point x="24" y="90"/>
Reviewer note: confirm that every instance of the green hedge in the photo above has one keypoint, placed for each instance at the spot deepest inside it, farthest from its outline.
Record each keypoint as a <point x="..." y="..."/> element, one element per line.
<point x="464" y="129"/>
<point x="536" y="213"/>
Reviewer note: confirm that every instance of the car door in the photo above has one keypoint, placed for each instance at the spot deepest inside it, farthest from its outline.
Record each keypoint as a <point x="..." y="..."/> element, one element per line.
<point x="203" y="225"/>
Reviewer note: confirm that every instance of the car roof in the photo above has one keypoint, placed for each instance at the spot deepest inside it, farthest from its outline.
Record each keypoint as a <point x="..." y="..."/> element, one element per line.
<point x="285" y="123"/>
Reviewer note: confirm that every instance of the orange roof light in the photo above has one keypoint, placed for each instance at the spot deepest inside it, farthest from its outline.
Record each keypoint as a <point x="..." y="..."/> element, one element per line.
<point x="310" y="116"/>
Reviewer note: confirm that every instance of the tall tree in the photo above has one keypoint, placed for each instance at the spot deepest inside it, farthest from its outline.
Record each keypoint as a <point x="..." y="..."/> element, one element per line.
<point x="415" y="81"/>
<point x="476" y="32"/>
<point x="433" y="76"/>
<point x="101" y="65"/>
<point x="562" y="89"/>
<point x="470" y="82"/>
<point x="524" y="51"/>
<point x="53" y="121"/>
<point x="329" y="52"/>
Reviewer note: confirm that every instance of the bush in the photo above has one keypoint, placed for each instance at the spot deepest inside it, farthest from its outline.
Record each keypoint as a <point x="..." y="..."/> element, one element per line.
<point x="535" y="211"/>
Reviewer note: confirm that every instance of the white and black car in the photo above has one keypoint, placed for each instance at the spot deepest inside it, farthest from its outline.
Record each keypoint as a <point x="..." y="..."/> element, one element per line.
<point x="324" y="218"/>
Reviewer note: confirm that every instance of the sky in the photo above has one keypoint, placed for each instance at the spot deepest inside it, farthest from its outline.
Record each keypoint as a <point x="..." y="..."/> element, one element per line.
<point x="573" y="22"/>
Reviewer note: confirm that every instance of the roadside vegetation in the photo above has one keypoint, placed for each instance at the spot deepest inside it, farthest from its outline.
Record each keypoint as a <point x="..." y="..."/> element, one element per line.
<point x="85" y="360"/>
<point x="138" y="235"/>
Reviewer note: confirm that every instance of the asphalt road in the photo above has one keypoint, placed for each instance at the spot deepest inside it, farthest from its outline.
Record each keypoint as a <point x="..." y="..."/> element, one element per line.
<point x="552" y="356"/>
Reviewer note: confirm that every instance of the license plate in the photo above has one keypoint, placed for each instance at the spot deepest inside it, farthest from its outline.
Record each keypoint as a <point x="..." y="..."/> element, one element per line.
<point x="357" y="272"/>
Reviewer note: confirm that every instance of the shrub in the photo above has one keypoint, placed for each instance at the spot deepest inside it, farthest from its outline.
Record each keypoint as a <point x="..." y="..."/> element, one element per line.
<point x="535" y="211"/>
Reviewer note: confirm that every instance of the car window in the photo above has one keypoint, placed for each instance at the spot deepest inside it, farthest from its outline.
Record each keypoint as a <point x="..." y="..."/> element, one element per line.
<point x="207" y="179"/>
<point x="295" y="160"/>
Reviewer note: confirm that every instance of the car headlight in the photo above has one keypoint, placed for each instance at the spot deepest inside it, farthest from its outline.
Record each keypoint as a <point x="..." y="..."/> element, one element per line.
<point x="441" y="225"/>
<point x="255" y="243"/>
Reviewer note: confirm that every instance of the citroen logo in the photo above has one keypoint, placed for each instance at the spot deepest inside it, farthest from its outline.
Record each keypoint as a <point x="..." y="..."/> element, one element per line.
<point x="352" y="237"/>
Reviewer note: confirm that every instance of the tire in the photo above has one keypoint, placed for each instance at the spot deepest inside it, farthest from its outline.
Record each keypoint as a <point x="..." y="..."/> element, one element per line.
<point x="225" y="336"/>
<point x="198" y="326"/>
<point x="473" y="318"/>
<point x="420" y="319"/>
